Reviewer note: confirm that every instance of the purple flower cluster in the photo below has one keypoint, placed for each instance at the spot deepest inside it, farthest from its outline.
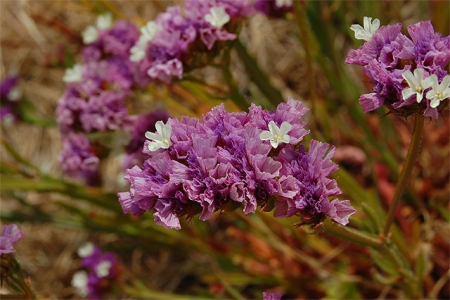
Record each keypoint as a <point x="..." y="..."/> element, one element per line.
<point x="228" y="160"/>
<point x="10" y="96"/>
<point x="10" y="235"/>
<point x="409" y="75"/>
<point x="94" y="99"/>
<point x="101" y="272"/>
<point x="172" y="41"/>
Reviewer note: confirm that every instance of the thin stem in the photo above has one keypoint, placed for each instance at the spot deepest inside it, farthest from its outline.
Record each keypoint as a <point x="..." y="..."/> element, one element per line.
<point x="351" y="234"/>
<point x="257" y="75"/>
<point x="413" y="152"/>
<point x="235" y="94"/>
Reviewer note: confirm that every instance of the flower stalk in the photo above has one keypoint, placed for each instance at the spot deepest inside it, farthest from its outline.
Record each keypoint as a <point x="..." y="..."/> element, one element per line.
<point x="411" y="157"/>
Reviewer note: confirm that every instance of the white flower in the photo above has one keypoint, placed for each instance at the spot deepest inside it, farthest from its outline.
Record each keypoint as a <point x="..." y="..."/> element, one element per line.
<point x="104" y="21"/>
<point x="137" y="52"/>
<point x="368" y="31"/>
<point x="149" y="31"/>
<point x="160" y="140"/>
<point x="281" y="3"/>
<point x="276" y="135"/>
<point x="102" y="269"/>
<point x="73" y="75"/>
<point x="417" y="84"/>
<point x="86" y="250"/>
<point x="438" y="91"/>
<point x="90" y="35"/>
<point x="14" y="94"/>
<point x="80" y="282"/>
<point x="217" y="17"/>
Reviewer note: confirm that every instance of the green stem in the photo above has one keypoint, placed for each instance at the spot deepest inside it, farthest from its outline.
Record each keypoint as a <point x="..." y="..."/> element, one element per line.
<point x="235" y="94"/>
<point x="413" y="152"/>
<point x="351" y="234"/>
<point x="257" y="75"/>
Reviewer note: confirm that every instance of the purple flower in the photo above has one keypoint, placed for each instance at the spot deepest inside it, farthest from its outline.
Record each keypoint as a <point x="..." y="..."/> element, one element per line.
<point x="78" y="158"/>
<point x="101" y="272"/>
<point x="389" y="58"/>
<point x="10" y="96"/>
<point x="115" y="41"/>
<point x="10" y="235"/>
<point x="305" y="181"/>
<point x="273" y="8"/>
<point x="271" y="296"/>
<point x="222" y="160"/>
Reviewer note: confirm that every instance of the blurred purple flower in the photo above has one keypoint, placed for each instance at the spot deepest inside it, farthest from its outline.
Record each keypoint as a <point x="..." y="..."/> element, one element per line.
<point x="10" y="235"/>
<point x="271" y="296"/>
<point x="10" y="96"/>
<point x="101" y="272"/>
<point x="274" y="8"/>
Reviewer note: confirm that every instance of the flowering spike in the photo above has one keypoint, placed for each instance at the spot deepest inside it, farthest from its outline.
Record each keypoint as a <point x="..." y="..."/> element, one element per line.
<point x="368" y="31"/>
<point x="160" y="140"/>
<point x="276" y="135"/>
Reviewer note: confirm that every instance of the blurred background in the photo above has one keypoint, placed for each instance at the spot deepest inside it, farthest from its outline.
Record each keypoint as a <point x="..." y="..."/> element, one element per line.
<point x="231" y="256"/>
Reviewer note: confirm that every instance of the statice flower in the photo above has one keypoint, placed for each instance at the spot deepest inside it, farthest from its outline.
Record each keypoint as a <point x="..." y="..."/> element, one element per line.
<point x="227" y="160"/>
<point x="274" y="8"/>
<point x="271" y="296"/>
<point x="140" y="125"/>
<point x="78" y="158"/>
<point x="409" y="74"/>
<point x="175" y="42"/>
<point x="10" y="96"/>
<point x="101" y="273"/>
<point x="10" y="235"/>
<point x="115" y="40"/>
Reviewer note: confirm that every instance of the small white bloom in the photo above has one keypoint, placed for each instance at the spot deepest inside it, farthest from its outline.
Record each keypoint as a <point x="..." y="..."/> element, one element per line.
<point x="137" y="52"/>
<point x="73" y="75"/>
<point x="14" y="94"/>
<point x="149" y="30"/>
<point x="90" y="35"/>
<point x="276" y="135"/>
<point x="161" y="139"/>
<point x="417" y="84"/>
<point x="283" y="3"/>
<point x="368" y="31"/>
<point x="80" y="282"/>
<point x="86" y="250"/>
<point x="104" y="21"/>
<point x="438" y="91"/>
<point x="217" y="17"/>
<point x="102" y="269"/>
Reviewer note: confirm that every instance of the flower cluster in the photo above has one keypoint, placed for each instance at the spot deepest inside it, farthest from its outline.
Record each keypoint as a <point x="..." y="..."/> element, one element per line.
<point x="409" y="75"/>
<point x="10" y="95"/>
<point x="101" y="274"/>
<point x="96" y="90"/>
<point x="10" y="235"/>
<point x="228" y="160"/>
<point x="172" y="41"/>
